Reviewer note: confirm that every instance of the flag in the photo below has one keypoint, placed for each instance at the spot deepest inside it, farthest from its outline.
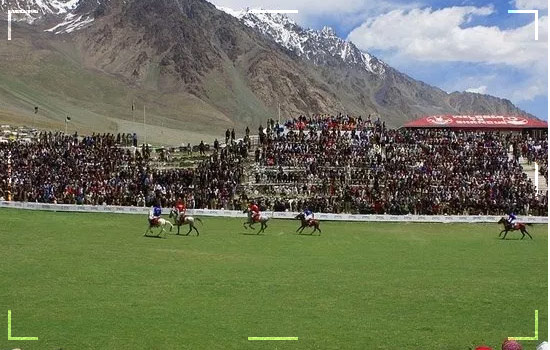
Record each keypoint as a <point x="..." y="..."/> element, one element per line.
<point x="68" y="119"/>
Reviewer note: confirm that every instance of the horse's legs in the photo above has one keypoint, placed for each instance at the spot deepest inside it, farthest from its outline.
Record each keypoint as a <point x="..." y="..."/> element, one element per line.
<point x="524" y="231"/>
<point x="190" y="228"/>
<point x="505" y="233"/>
<point x="500" y="234"/>
<point x="244" y="225"/>
<point x="195" y="228"/>
<point x="298" y="228"/>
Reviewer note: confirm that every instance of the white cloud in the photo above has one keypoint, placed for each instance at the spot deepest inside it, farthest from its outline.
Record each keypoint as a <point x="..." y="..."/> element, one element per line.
<point x="439" y="35"/>
<point x="478" y="90"/>
<point x="443" y="35"/>
<point x="531" y="4"/>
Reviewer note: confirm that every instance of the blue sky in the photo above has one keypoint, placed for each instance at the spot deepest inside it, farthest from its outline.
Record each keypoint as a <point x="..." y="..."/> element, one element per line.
<point x="459" y="45"/>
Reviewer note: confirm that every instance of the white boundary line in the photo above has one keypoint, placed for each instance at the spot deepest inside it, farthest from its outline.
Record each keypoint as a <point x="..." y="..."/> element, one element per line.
<point x="274" y="215"/>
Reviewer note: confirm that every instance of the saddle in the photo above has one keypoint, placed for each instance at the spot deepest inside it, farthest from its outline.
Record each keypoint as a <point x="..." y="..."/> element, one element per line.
<point x="154" y="222"/>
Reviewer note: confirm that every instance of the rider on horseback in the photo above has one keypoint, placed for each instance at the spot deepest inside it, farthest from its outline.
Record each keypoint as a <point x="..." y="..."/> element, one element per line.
<point x="512" y="219"/>
<point x="308" y="215"/>
<point x="180" y="207"/>
<point x="154" y="214"/>
<point x="253" y="207"/>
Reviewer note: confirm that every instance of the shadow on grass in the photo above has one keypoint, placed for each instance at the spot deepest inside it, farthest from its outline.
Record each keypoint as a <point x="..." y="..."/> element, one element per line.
<point x="516" y="239"/>
<point x="149" y="236"/>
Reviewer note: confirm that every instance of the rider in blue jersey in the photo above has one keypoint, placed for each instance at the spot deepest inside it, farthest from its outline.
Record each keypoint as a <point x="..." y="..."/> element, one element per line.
<point x="154" y="214"/>
<point x="512" y="219"/>
<point x="308" y="214"/>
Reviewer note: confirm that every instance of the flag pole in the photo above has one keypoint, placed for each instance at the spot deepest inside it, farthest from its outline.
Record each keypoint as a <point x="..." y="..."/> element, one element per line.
<point x="133" y="116"/>
<point x="144" y="127"/>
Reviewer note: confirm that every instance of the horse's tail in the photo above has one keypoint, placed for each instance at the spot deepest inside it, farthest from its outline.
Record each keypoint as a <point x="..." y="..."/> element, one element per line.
<point x="199" y="220"/>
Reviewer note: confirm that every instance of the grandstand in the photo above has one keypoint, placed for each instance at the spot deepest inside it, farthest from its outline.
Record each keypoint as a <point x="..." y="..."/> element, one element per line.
<point x="332" y="164"/>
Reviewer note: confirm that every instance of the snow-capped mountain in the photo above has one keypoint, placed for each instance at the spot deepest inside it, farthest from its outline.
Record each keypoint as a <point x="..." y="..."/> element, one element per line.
<point x="322" y="47"/>
<point x="221" y="69"/>
<point x="63" y="16"/>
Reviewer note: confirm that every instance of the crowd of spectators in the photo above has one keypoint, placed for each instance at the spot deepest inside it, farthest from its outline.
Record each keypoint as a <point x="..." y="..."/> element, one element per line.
<point x="533" y="150"/>
<point x="99" y="170"/>
<point x="346" y="164"/>
<point x="326" y="163"/>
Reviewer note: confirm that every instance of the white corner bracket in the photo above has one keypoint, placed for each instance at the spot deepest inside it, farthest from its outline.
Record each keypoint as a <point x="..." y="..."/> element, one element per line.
<point x="536" y="12"/>
<point x="17" y="12"/>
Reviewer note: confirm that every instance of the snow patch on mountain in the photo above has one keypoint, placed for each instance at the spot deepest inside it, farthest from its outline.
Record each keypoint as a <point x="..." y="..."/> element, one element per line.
<point x="71" y="23"/>
<point x="320" y="47"/>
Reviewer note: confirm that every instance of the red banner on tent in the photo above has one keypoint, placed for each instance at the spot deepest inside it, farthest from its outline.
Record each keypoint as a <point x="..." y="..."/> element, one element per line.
<point x="477" y="121"/>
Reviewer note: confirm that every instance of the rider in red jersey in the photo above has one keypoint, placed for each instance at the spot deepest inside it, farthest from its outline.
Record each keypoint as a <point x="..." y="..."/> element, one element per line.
<point x="255" y="212"/>
<point x="180" y="207"/>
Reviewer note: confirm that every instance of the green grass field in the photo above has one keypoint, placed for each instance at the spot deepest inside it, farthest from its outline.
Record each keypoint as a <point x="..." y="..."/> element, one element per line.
<point x="92" y="281"/>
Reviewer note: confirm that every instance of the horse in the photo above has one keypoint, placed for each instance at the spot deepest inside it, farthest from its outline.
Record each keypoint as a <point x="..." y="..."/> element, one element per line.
<point x="160" y="223"/>
<point x="263" y="220"/>
<point x="312" y="223"/>
<point x="509" y="227"/>
<point x="180" y="220"/>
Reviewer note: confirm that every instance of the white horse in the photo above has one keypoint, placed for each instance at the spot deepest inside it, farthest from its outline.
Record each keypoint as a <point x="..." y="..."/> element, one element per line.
<point x="180" y="220"/>
<point x="160" y="223"/>
<point x="263" y="221"/>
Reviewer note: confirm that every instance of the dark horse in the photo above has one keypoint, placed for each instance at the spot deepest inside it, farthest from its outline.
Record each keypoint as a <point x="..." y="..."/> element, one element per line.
<point x="312" y="223"/>
<point x="509" y="227"/>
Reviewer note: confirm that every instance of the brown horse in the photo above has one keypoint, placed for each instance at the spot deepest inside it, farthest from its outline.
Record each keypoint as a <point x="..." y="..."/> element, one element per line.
<point x="509" y="227"/>
<point x="304" y="223"/>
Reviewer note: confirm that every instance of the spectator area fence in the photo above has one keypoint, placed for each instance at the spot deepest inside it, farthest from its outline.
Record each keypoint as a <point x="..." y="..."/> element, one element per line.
<point x="276" y="215"/>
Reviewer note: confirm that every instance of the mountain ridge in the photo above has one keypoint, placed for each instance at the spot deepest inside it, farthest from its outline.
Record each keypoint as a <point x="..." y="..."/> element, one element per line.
<point x="239" y="67"/>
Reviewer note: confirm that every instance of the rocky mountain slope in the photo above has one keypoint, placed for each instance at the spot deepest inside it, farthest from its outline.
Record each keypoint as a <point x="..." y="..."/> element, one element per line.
<point x="184" y="56"/>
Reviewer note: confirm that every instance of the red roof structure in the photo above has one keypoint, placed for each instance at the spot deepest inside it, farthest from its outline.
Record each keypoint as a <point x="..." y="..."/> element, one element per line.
<point x="500" y="122"/>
